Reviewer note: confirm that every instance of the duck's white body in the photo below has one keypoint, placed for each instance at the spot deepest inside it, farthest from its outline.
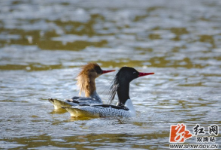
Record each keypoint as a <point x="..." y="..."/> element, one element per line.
<point x="103" y="110"/>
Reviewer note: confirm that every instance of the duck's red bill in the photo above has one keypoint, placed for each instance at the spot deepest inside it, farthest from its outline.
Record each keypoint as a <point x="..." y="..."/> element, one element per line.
<point x="144" y="74"/>
<point x="106" y="71"/>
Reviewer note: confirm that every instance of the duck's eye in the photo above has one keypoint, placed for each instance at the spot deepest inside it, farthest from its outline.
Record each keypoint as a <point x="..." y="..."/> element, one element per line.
<point x="98" y="70"/>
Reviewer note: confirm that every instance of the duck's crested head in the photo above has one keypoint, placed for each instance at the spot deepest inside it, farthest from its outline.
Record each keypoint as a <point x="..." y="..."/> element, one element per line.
<point x="123" y="77"/>
<point x="91" y="70"/>
<point x="86" y="78"/>
<point x="127" y="74"/>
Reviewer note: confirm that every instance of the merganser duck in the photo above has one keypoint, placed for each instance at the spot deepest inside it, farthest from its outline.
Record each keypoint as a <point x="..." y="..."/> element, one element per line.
<point x="86" y="83"/>
<point x="120" y="86"/>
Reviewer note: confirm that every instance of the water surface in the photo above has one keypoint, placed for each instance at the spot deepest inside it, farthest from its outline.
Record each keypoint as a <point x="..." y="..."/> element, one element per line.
<point x="43" y="44"/>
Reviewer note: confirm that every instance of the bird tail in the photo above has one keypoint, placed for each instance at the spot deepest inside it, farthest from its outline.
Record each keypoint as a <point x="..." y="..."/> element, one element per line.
<point x="58" y="104"/>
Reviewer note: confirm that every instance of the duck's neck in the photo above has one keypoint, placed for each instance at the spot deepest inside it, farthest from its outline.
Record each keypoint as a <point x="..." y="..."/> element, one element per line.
<point x="123" y="93"/>
<point x="86" y="85"/>
<point x="91" y="92"/>
<point x="90" y="88"/>
<point x="96" y="97"/>
<point x="129" y="105"/>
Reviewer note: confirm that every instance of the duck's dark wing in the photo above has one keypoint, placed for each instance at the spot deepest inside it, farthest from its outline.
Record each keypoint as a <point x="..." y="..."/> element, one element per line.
<point x="77" y="101"/>
<point x="112" y="106"/>
<point x="83" y="101"/>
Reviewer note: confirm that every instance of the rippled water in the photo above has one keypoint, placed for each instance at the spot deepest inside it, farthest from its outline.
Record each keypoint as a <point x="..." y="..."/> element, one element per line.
<point x="43" y="44"/>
